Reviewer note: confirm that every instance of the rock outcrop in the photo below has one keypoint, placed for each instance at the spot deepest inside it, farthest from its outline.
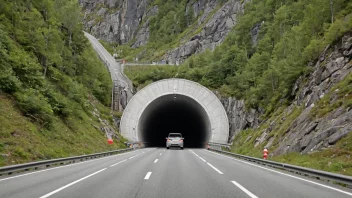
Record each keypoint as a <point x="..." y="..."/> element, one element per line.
<point x="239" y="117"/>
<point x="214" y="31"/>
<point x="115" y="21"/>
<point x="309" y="133"/>
<point x="120" y="21"/>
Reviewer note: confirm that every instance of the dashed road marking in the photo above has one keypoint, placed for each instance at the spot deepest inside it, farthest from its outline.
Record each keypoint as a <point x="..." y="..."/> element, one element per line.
<point x="64" y="166"/>
<point x="70" y="184"/>
<point x="118" y="163"/>
<point x="156" y="161"/>
<point x="148" y="175"/>
<point x="244" y="190"/>
<point x="322" y="185"/>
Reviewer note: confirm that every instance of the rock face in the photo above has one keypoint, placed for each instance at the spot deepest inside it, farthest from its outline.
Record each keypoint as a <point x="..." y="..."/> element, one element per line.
<point x="120" y="21"/>
<point x="214" y="31"/>
<point x="116" y="20"/>
<point x="239" y="117"/>
<point x="309" y="133"/>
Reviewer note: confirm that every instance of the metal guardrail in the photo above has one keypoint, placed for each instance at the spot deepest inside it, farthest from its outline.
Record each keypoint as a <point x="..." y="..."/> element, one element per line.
<point x="323" y="175"/>
<point x="219" y="145"/>
<point x="7" y="170"/>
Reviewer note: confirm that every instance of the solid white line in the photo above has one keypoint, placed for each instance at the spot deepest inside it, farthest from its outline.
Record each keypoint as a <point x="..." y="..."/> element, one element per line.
<point x="70" y="184"/>
<point x="147" y="175"/>
<point x="156" y="161"/>
<point x="202" y="159"/>
<point x="64" y="166"/>
<point x="322" y="185"/>
<point x="118" y="163"/>
<point x="244" y="190"/>
<point x="217" y="170"/>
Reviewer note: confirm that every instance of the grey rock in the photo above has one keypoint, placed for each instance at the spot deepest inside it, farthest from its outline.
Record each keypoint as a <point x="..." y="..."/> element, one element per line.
<point x="119" y="19"/>
<point x="214" y="31"/>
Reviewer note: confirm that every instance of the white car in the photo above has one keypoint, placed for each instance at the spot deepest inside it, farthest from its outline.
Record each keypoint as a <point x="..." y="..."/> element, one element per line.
<point x="174" y="139"/>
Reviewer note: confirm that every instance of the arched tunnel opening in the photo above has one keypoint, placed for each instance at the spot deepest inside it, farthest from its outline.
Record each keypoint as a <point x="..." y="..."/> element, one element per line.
<point x="174" y="113"/>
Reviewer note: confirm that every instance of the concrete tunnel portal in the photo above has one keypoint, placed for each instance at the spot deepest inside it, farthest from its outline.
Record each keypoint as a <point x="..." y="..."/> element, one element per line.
<point x="175" y="106"/>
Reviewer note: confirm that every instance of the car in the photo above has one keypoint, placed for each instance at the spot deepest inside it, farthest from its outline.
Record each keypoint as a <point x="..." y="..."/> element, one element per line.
<point x="174" y="140"/>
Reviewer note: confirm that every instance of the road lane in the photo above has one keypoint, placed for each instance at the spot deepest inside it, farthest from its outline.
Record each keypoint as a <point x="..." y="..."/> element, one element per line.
<point x="123" y="180"/>
<point x="179" y="173"/>
<point x="40" y="183"/>
<point x="175" y="173"/>
<point x="264" y="183"/>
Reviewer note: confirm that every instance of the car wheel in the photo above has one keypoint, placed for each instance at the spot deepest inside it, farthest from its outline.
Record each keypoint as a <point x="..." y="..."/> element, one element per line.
<point x="167" y="147"/>
<point x="181" y="148"/>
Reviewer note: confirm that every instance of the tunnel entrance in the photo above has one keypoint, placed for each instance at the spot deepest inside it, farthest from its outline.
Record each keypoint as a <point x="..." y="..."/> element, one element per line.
<point x="175" y="106"/>
<point x="174" y="113"/>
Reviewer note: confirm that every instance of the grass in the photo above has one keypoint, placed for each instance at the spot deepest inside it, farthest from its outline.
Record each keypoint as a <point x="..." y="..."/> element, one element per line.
<point x="23" y="141"/>
<point x="342" y="91"/>
<point x="336" y="158"/>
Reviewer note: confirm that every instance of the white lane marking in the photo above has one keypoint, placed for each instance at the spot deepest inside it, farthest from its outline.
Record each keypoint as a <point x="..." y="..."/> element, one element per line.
<point x="217" y="170"/>
<point x="156" y="161"/>
<point x="148" y="175"/>
<point x="322" y="185"/>
<point x="195" y="153"/>
<point x="202" y="159"/>
<point x="70" y="184"/>
<point x="118" y="163"/>
<point x="64" y="166"/>
<point x="160" y="153"/>
<point x="244" y="190"/>
<point x="133" y="156"/>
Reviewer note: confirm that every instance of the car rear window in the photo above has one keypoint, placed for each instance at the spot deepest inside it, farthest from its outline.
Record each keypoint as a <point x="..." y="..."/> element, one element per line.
<point x="174" y="135"/>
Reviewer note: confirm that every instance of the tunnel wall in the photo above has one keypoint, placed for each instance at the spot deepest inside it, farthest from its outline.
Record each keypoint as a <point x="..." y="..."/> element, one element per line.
<point x="219" y="124"/>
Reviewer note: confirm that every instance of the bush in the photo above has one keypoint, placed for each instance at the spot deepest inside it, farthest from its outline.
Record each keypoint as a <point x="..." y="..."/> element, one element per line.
<point x="35" y="105"/>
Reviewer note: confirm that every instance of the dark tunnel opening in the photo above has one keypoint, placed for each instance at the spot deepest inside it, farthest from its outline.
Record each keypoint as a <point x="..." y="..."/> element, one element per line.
<point x="174" y="114"/>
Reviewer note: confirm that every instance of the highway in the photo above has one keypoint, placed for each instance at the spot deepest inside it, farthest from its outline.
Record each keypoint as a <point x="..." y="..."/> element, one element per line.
<point x="157" y="172"/>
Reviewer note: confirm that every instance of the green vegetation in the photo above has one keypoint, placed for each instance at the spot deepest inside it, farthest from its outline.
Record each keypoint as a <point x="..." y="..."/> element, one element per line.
<point x="341" y="95"/>
<point x="142" y="76"/>
<point x="23" y="141"/>
<point x="336" y="158"/>
<point x="172" y="26"/>
<point x="50" y="74"/>
<point x="292" y="34"/>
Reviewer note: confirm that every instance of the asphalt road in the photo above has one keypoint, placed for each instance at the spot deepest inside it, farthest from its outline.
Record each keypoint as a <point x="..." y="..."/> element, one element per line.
<point x="157" y="172"/>
<point x="115" y="68"/>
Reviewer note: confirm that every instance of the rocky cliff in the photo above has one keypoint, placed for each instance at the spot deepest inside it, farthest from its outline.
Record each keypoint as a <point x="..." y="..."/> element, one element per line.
<point x="239" y="117"/>
<point x="115" y="20"/>
<point x="319" y="116"/>
<point x="122" y="21"/>
<point x="214" y="30"/>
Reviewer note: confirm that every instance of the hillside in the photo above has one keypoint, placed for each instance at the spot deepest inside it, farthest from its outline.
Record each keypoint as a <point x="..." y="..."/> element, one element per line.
<point x="54" y="91"/>
<point x="281" y="68"/>
<point x="157" y="30"/>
